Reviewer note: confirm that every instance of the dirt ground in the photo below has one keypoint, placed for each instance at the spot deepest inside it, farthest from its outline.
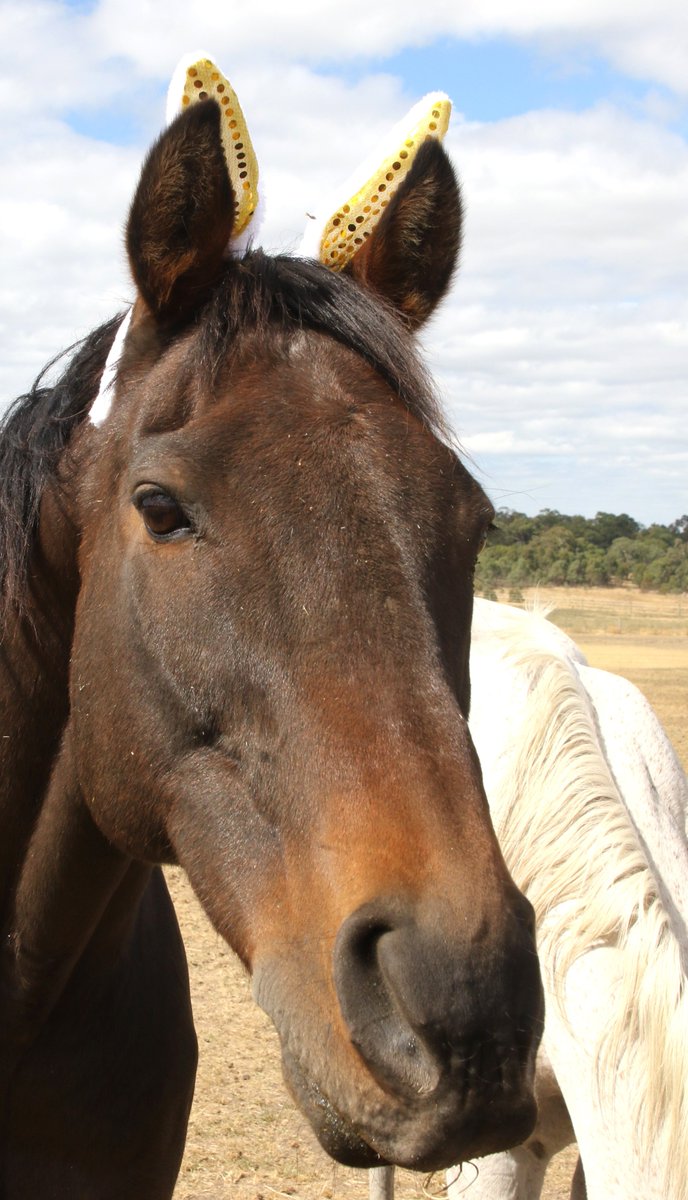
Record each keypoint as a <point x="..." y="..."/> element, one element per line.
<point x="246" y="1138"/>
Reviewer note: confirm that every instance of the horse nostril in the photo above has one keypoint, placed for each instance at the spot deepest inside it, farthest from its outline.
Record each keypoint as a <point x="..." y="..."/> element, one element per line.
<point x="373" y="1006"/>
<point x="363" y="932"/>
<point x="429" y="1008"/>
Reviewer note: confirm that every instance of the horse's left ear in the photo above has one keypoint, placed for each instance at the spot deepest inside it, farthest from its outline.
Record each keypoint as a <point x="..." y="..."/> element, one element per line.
<point x="196" y="204"/>
<point x="198" y="193"/>
<point x="182" y="215"/>
<point x="410" y="256"/>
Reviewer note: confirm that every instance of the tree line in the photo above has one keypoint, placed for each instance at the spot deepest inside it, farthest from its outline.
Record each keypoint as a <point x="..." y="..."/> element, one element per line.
<point x="600" y="551"/>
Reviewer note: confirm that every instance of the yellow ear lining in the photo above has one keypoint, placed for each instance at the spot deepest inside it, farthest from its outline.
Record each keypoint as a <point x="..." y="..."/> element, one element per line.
<point x="203" y="81"/>
<point x="347" y="229"/>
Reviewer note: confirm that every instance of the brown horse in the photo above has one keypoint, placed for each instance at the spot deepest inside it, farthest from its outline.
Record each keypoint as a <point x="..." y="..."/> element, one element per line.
<point x="236" y="635"/>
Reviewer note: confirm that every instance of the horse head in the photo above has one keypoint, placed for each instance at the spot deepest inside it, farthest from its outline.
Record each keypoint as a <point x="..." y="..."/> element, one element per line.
<point x="269" y="669"/>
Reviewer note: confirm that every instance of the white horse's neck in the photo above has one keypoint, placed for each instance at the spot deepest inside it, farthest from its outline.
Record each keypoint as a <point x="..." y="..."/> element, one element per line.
<point x="590" y="803"/>
<point x="651" y="783"/>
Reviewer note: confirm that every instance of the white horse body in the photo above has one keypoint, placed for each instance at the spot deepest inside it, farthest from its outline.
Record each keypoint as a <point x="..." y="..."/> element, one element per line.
<point x="589" y="803"/>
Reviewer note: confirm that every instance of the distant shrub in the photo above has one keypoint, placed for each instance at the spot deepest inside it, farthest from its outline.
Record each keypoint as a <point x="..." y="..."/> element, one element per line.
<point x="558" y="550"/>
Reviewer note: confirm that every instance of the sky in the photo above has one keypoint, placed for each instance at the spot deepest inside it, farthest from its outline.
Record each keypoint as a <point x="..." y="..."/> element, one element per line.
<point x="561" y="354"/>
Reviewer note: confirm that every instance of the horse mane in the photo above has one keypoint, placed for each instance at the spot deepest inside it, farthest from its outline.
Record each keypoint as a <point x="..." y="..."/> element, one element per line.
<point x="33" y="433"/>
<point x="590" y="883"/>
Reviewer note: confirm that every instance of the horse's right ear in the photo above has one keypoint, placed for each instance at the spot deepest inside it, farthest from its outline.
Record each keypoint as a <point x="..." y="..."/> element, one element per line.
<point x="395" y="226"/>
<point x="411" y="253"/>
<point x="183" y="214"/>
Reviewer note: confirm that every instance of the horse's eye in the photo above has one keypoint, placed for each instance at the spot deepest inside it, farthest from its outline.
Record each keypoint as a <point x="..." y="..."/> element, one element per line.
<point x="162" y="515"/>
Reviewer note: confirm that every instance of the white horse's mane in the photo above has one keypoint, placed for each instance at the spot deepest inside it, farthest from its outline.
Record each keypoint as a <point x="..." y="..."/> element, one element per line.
<point x="590" y="881"/>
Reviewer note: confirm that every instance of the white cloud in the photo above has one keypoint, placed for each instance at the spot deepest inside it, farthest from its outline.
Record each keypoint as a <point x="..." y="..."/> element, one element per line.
<point x="562" y="350"/>
<point x="566" y="339"/>
<point x="648" y="40"/>
<point x="85" y="58"/>
<point x="63" y="202"/>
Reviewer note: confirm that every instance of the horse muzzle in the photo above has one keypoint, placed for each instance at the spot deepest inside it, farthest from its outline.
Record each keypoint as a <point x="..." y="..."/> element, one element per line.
<point x="428" y="1055"/>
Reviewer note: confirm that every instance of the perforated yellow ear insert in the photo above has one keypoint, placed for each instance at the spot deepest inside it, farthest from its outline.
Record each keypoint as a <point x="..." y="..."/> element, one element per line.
<point x="347" y="229"/>
<point x="199" y="79"/>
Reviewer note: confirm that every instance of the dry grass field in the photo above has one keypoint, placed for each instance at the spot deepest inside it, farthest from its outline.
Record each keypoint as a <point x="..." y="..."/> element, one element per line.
<point x="246" y="1138"/>
<point x="641" y="635"/>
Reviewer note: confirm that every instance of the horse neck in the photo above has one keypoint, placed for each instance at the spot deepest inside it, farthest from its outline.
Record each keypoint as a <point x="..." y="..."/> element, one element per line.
<point x="34" y="666"/>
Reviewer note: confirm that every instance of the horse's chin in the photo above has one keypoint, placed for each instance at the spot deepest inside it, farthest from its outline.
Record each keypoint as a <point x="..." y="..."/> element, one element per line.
<point x="429" y="1140"/>
<point x="336" y="1135"/>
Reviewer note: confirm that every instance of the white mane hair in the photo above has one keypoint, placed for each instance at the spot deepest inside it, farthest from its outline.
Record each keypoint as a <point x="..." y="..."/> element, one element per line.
<point x="573" y="847"/>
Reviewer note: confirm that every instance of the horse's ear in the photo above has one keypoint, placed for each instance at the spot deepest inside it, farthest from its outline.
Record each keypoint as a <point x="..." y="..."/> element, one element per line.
<point x="182" y="215"/>
<point x="410" y="255"/>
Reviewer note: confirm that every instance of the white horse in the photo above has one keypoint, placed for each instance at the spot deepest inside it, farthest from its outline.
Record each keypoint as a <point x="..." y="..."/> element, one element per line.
<point x="590" y="804"/>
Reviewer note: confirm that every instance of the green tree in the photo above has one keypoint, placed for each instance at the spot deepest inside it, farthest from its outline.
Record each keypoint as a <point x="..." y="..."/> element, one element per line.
<point x="558" y="549"/>
<point x="679" y="527"/>
<point x="606" y="527"/>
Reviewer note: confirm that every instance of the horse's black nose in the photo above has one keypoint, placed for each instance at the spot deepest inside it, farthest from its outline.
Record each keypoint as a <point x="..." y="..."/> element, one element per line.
<point x="372" y="1002"/>
<point x="426" y="1009"/>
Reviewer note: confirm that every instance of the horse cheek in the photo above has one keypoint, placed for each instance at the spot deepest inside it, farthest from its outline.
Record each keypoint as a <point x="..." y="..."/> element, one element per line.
<point x="118" y="731"/>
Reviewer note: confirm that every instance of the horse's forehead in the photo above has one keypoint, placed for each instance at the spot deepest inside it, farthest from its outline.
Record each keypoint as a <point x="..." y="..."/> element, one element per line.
<point x="303" y="386"/>
<point x="304" y="365"/>
<point x="269" y="399"/>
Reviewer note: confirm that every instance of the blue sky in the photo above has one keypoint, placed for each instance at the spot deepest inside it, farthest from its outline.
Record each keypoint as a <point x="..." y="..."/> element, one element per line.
<point x="561" y="353"/>
<point x="494" y="78"/>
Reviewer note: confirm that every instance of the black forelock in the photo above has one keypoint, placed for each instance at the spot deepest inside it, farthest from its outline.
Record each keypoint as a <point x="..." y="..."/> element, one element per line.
<point x="260" y="291"/>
